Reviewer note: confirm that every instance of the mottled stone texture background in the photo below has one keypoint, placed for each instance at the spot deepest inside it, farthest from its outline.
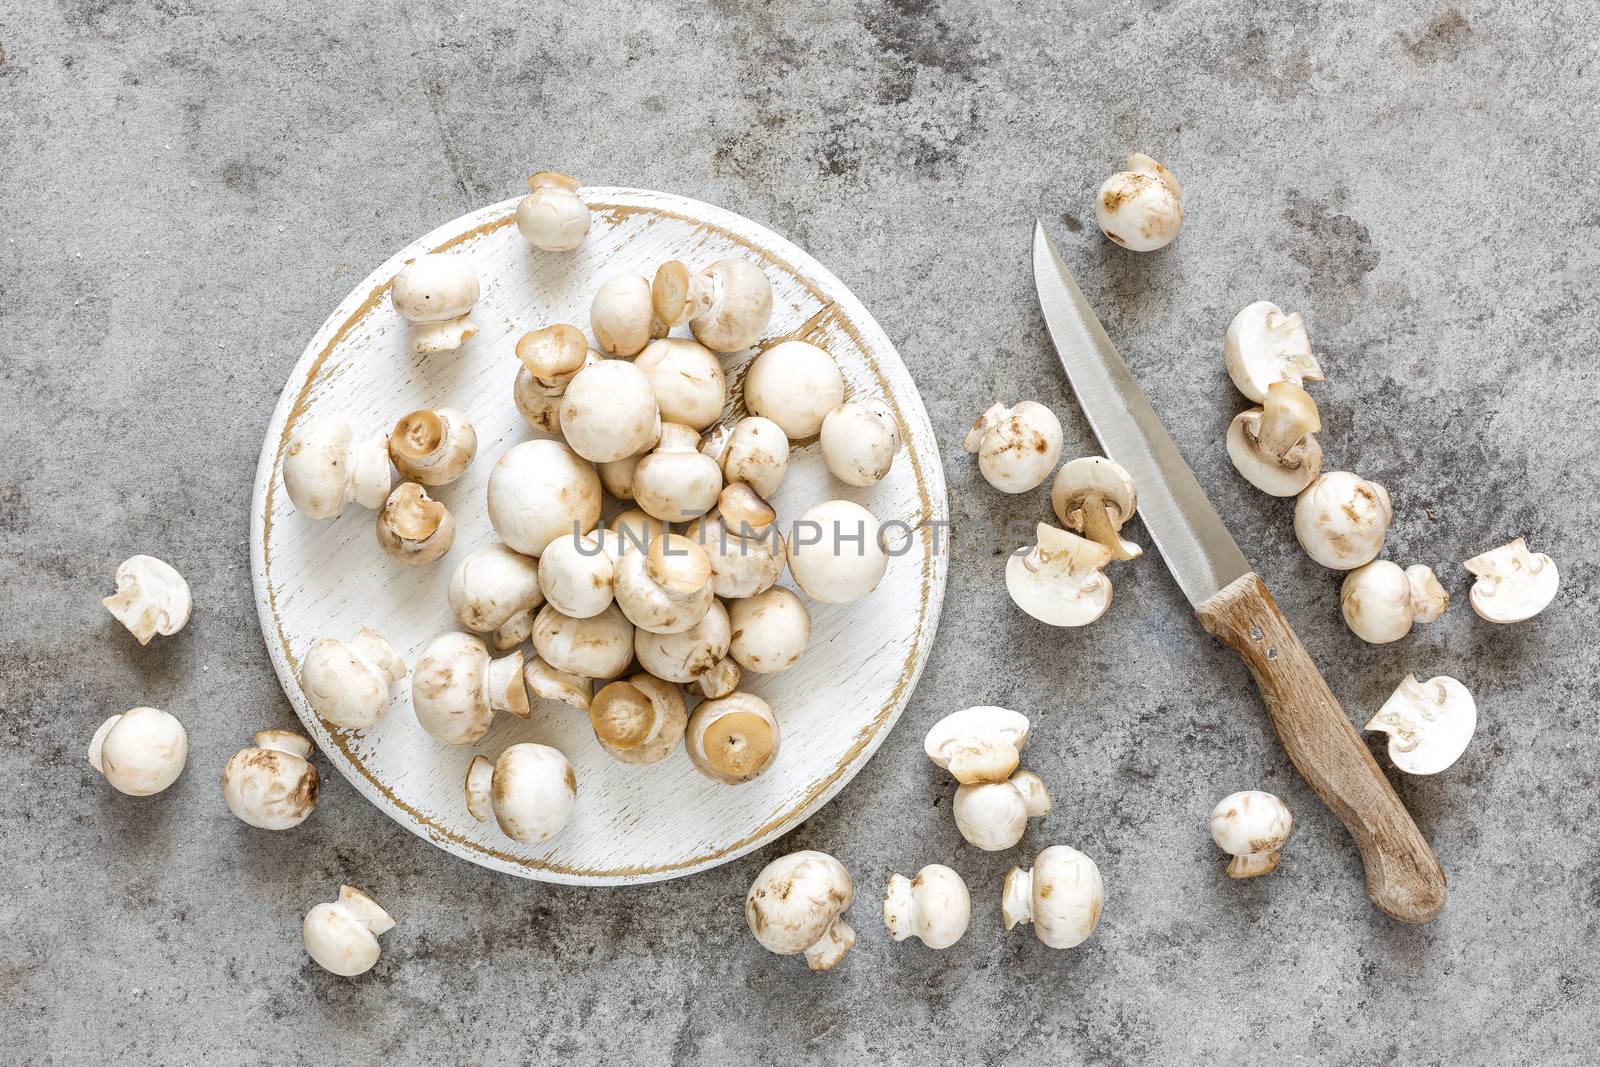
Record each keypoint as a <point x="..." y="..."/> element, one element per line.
<point x="186" y="190"/>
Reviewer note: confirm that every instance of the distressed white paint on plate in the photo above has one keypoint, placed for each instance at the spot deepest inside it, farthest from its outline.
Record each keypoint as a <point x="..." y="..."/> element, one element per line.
<point x="632" y="824"/>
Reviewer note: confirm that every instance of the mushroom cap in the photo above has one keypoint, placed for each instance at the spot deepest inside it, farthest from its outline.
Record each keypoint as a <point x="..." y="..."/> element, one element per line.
<point x="1250" y="823"/>
<point x="151" y="598"/>
<point x="533" y="793"/>
<point x="1062" y="896"/>
<point x="978" y="744"/>
<point x="616" y="477"/>
<point x="796" y="899"/>
<point x="493" y="584"/>
<point x="435" y="287"/>
<point x="667" y="589"/>
<point x="1263" y="472"/>
<point x="736" y="308"/>
<point x="1061" y="580"/>
<point x="272" y="785"/>
<point x="795" y="384"/>
<point x="675" y="483"/>
<point x="755" y="452"/>
<point x="770" y="631"/>
<point x="325" y="467"/>
<point x="456" y="688"/>
<point x="597" y="647"/>
<point x="433" y="447"/>
<point x="859" y="441"/>
<point x="341" y="936"/>
<point x="621" y="316"/>
<point x="1428" y="598"/>
<point x="1429" y="723"/>
<point x="686" y="655"/>
<point x="835" y="554"/>
<point x="1341" y="520"/>
<point x="348" y="684"/>
<point x="1512" y="584"/>
<point x="1376" y="602"/>
<point x="732" y="739"/>
<point x="687" y="380"/>
<point x="1140" y="208"/>
<point x="575" y="575"/>
<point x="553" y="355"/>
<point x="631" y="531"/>
<point x="552" y="217"/>
<point x="540" y="490"/>
<point x="933" y="907"/>
<point x="640" y="720"/>
<point x="413" y="528"/>
<point x="608" y="412"/>
<point x="745" y="560"/>
<point x="140" y="752"/>
<point x="1264" y="346"/>
<point x="1017" y="446"/>
<point x="991" y="815"/>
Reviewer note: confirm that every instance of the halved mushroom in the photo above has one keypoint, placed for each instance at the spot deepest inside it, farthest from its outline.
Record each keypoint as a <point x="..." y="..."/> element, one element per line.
<point x="1275" y="447"/>
<point x="1264" y="346"/>
<point x="342" y="935"/>
<point x="666" y="589"/>
<point x="835" y="552"/>
<point x="640" y="720"/>
<point x="529" y="789"/>
<point x="552" y="216"/>
<point x="1140" y="208"/>
<point x="140" y="752"/>
<point x="755" y="451"/>
<point x="597" y="647"/>
<point x="544" y="682"/>
<point x="575" y="575"/>
<point x="934" y="907"/>
<point x="1094" y="497"/>
<point x="994" y="815"/>
<point x="413" y="528"/>
<point x="978" y="744"/>
<point x="1060" y="580"/>
<point x="151" y="598"/>
<point x="456" y="688"/>
<point x="1380" y="601"/>
<point x="1017" y="446"/>
<point x="797" y="904"/>
<point x="741" y="540"/>
<point x="1251" y="826"/>
<point x="727" y="305"/>
<point x="622" y="317"/>
<point x="732" y="739"/>
<point x="687" y="380"/>
<point x="272" y="785"/>
<point x="1062" y="895"/>
<point x="539" y="491"/>
<point x="795" y="384"/>
<point x="859" y="441"/>
<point x="608" y="412"/>
<point x="1341" y="520"/>
<point x="685" y="656"/>
<point x="1429" y="723"/>
<point x="492" y="586"/>
<point x="676" y="482"/>
<point x="433" y="447"/>
<point x="1512" y="584"/>
<point x="325" y="468"/>
<point x="770" y="631"/>
<point x="437" y="291"/>
<point x="348" y="683"/>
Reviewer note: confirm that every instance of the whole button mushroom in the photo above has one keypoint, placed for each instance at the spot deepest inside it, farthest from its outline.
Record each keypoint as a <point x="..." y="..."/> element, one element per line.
<point x="1512" y="583"/>
<point x="994" y="815"/>
<point x="746" y="551"/>
<point x="456" y="688"/>
<point x="342" y="935"/>
<point x="770" y="631"/>
<point x="1429" y="723"/>
<point x="347" y="683"/>
<point x="1017" y="446"/>
<point x="667" y="589"/>
<point x="732" y="739"/>
<point x="1264" y="347"/>
<point x="795" y="384"/>
<point x="1380" y="601"/>
<point x="575" y="575"/>
<point x="433" y="447"/>
<point x="1140" y="208"/>
<point x="676" y="483"/>
<point x="622" y="317"/>
<point x="796" y="905"/>
<point x="1275" y="446"/>
<point x="1094" y="497"/>
<point x="552" y="216"/>
<point x="539" y="491"/>
<point x="413" y="528"/>
<point x="1341" y="520"/>
<point x="1251" y="826"/>
<point x="640" y="720"/>
<point x="151" y="598"/>
<point x="1061" y="579"/>
<point x="727" y="305"/>
<point x="596" y="647"/>
<point x="325" y="468"/>
<point x="437" y="291"/>
<point x="140" y="752"/>
<point x="1062" y="896"/>
<point x="978" y="744"/>
<point x="492" y="586"/>
<point x="835" y="554"/>
<point x="609" y="412"/>
<point x="687" y="380"/>
<point x="684" y="656"/>
<point x="934" y="907"/>
<point x="272" y="785"/>
<point x="755" y="451"/>
<point x="530" y="790"/>
<point x="859" y="441"/>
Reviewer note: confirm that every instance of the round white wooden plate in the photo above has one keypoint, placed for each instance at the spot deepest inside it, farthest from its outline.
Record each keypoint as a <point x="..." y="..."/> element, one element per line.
<point x="632" y="824"/>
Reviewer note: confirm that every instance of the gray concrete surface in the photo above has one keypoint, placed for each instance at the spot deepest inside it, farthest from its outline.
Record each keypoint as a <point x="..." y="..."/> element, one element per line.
<point x="187" y="189"/>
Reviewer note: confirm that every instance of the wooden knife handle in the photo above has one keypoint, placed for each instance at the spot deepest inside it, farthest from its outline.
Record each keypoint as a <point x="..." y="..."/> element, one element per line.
<point x="1404" y="878"/>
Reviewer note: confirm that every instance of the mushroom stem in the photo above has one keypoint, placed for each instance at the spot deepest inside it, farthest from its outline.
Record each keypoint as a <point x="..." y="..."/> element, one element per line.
<point x="503" y="688"/>
<point x="446" y="336"/>
<point x="1252" y="866"/>
<point x="286" y="741"/>
<point x="1098" y="526"/>
<point x="1016" y="898"/>
<point x="365" y="910"/>
<point x="98" y="741"/>
<point x="1287" y="416"/>
<point x="480" y="788"/>
<point x="830" y="948"/>
<point x="1293" y="344"/>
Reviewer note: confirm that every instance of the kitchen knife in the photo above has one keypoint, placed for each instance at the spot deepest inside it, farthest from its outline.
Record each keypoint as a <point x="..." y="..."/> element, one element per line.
<point x="1404" y="878"/>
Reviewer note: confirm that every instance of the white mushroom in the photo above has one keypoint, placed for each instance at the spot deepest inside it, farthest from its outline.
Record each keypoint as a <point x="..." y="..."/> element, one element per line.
<point x="622" y="317"/>
<point x="859" y="441"/>
<point x="272" y="785"/>
<point x="140" y="752"/>
<point x="640" y="720"/>
<point x="325" y="468"/>
<point x="1264" y="346"/>
<point x="1094" y="497"/>
<point x="795" y="384"/>
<point x="676" y="483"/>
<point x="513" y="632"/>
<point x="685" y="656"/>
<point x="1380" y="601"/>
<point x="413" y="528"/>
<point x="994" y="815"/>
<point x="616" y="477"/>
<point x="770" y="631"/>
<point x="456" y="688"/>
<point x="151" y="598"/>
<point x="553" y="356"/>
<point x="1060" y="580"/>
<point x="597" y="647"/>
<point x="540" y="490"/>
<point x="1062" y="896"/>
<point x="727" y="305"/>
<point x="1017" y="446"/>
<point x="348" y="683"/>
<point x="732" y="739"/>
<point x="835" y="552"/>
<point x="342" y="935"/>
<point x="546" y="683"/>
<point x="433" y="447"/>
<point x="1251" y="826"/>
<point x="796" y="905"/>
<point x="668" y="588"/>
<point x="746" y="551"/>
<point x="630" y="531"/>
<point x="437" y="291"/>
<point x="687" y="380"/>
<point x="552" y="216"/>
<point x="1429" y="723"/>
<point x="934" y="907"/>
<point x="492" y="586"/>
<point x="529" y="789"/>
<point x="1140" y="208"/>
<point x="1341" y="520"/>
<point x="755" y="451"/>
<point x="575" y="575"/>
<point x="608" y="412"/>
<point x="1275" y="447"/>
<point x="1512" y="583"/>
<point x="978" y="744"/>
